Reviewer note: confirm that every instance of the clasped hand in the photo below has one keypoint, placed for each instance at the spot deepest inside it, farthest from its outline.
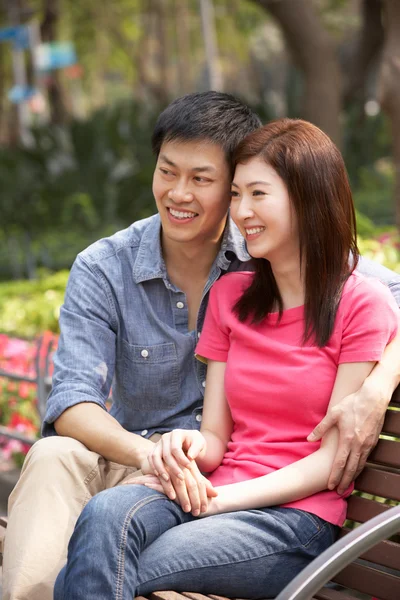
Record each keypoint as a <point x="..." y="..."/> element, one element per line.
<point x="171" y="468"/>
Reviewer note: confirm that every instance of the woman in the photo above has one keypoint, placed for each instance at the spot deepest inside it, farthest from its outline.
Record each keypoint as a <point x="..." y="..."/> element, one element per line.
<point x="282" y="343"/>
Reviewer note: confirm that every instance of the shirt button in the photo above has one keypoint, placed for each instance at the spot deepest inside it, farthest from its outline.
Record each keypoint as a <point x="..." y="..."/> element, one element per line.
<point x="180" y="305"/>
<point x="144" y="432"/>
<point x="198" y="334"/>
<point x="203" y="383"/>
<point x="145" y="354"/>
<point x="199" y="418"/>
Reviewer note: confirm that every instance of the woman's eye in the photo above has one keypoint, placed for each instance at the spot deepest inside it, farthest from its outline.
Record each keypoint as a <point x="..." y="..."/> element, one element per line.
<point x="258" y="193"/>
<point x="234" y="194"/>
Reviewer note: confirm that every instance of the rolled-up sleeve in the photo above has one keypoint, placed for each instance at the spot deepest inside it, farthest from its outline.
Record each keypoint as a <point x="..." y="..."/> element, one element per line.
<point x="85" y="359"/>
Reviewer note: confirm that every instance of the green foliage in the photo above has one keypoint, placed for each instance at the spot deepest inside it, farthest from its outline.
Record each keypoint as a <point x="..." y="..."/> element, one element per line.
<point x="384" y="249"/>
<point x="89" y="177"/>
<point x="374" y="195"/>
<point x="27" y="308"/>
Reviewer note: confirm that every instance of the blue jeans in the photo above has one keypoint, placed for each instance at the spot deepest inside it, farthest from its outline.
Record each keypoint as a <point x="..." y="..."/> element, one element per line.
<point x="131" y="540"/>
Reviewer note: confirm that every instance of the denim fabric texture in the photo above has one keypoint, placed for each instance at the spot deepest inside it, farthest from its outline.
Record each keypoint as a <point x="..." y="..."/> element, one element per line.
<point x="131" y="540"/>
<point x="123" y="323"/>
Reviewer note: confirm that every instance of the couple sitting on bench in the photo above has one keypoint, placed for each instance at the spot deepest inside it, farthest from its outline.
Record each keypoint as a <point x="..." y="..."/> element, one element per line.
<point x="295" y="340"/>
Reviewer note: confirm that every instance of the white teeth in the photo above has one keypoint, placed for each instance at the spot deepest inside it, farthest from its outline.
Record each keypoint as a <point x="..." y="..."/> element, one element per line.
<point x="181" y="215"/>
<point x="254" y="230"/>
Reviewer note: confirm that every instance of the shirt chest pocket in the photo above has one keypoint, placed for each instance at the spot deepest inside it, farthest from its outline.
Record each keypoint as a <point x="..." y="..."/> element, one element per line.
<point x="150" y="378"/>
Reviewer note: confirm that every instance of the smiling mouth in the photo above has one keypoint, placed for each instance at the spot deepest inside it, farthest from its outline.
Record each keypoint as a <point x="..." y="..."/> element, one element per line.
<point x="254" y="230"/>
<point x="180" y="214"/>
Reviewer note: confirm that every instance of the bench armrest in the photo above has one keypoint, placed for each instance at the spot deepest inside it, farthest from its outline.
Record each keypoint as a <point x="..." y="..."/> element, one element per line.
<point x="344" y="551"/>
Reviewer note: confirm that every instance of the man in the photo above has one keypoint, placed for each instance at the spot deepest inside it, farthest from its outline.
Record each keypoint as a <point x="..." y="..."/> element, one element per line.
<point x="133" y="310"/>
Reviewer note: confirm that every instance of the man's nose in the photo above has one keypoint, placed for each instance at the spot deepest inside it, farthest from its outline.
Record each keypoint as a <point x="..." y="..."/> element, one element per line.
<point x="180" y="193"/>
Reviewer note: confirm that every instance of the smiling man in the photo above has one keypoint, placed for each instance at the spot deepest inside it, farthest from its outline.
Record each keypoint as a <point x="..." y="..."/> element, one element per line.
<point x="133" y="311"/>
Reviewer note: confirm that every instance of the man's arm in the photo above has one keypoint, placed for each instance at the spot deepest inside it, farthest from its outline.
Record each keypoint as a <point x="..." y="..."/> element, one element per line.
<point x="100" y="432"/>
<point x="84" y="369"/>
<point x="360" y="416"/>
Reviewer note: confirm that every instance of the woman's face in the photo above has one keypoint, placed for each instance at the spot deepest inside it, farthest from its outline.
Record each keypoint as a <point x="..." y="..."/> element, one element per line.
<point x="262" y="210"/>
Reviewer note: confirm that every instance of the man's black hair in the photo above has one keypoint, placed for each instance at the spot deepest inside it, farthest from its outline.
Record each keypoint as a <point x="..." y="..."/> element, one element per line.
<point x="208" y="116"/>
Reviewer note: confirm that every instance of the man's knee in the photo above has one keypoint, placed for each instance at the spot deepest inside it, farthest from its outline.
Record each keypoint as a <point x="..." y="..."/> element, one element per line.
<point x="56" y="451"/>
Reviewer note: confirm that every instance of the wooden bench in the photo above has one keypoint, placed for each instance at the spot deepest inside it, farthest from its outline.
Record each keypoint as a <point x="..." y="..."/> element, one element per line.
<point x="377" y="572"/>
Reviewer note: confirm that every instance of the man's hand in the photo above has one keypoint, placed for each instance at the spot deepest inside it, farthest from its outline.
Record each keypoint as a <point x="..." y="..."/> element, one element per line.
<point x="174" y="451"/>
<point x="359" y="418"/>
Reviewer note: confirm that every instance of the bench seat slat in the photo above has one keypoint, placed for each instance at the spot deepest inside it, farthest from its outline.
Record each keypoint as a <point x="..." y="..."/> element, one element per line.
<point x="368" y="580"/>
<point x="328" y="594"/>
<point x="167" y="596"/>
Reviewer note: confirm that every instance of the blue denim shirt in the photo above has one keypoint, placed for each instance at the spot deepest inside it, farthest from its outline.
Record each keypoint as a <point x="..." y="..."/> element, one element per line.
<point x="123" y="322"/>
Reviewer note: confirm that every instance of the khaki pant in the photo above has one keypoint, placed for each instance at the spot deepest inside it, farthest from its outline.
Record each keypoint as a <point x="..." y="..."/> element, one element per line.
<point x="60" y="475"/>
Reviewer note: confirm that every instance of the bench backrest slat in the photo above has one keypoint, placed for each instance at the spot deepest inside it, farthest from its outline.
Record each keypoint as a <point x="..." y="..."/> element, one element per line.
<point x="379" y="483"/>
<point x="362" y="509"/>
<point x="386" y="452"/>
<point x="391" y="425"/>
<point x="369" y="580"/>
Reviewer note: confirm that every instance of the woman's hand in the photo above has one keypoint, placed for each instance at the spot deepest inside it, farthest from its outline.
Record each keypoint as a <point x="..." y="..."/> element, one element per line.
<point x="192" y="493"/>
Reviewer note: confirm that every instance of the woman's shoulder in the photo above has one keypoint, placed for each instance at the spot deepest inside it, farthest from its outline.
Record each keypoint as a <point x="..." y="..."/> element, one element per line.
<point x="360" y="289"/>
<point x="238" y="280"/>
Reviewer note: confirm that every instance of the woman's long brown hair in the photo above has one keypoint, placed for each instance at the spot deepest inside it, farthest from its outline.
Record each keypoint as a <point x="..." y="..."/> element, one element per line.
<point x="314" y="173"/>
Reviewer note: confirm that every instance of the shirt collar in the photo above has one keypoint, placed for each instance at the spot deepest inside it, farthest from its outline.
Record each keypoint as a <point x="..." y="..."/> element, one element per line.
<point x="149" y="263"/>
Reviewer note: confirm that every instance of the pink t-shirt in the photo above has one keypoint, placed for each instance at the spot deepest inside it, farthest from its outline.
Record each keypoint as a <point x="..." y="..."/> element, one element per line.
<point x="277" y="389"/>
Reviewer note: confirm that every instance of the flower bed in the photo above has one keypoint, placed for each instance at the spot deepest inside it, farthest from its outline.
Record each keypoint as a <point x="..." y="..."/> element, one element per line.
<point x="18" y="399"/>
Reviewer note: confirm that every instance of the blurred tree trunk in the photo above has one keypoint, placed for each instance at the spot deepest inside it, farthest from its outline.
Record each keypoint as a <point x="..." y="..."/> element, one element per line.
<point x="161" y="87"/>
<point x="48" y="30"/>
<point x="313" y="51"/>
<point x="365" y="51"/>
<point x="2" y="91"/>
<point x="389" y="91"/>
<point x="214" y="73"/>
<point x="182" y="32"/>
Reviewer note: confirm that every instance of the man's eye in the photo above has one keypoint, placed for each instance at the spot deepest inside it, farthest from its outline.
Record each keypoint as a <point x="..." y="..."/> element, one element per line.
<point x="165" y="171"/>
<point x="202" y="179"/>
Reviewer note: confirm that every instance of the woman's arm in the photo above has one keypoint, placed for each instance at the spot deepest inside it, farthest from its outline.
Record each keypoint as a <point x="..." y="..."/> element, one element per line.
<point x="303" y="478"/>
<point x="217" y="424"/>
<point x="359" y="417"/>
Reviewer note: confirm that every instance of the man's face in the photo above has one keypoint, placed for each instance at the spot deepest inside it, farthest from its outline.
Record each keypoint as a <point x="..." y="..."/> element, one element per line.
<point x="191" y="186"/>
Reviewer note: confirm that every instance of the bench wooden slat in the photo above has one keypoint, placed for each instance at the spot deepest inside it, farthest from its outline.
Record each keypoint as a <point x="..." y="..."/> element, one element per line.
<point x="196" y="596"/>
<point x="166" y="596"/>
<point x="328" y="594"/>
<point x="362" y="509"/>
<point x="386" y="452"/>
<point x="379" y="483"/>
<point x="368" y="580"/>
<point x="384" y="553"/>
<point x="391" y="425"/>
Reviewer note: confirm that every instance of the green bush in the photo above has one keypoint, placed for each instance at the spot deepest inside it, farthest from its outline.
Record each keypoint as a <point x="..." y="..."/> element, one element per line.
<point x="28" y="308"/>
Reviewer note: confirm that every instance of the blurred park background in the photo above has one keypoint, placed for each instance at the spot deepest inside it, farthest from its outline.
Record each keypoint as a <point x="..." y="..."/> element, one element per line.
<point x="81" y="83"/>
